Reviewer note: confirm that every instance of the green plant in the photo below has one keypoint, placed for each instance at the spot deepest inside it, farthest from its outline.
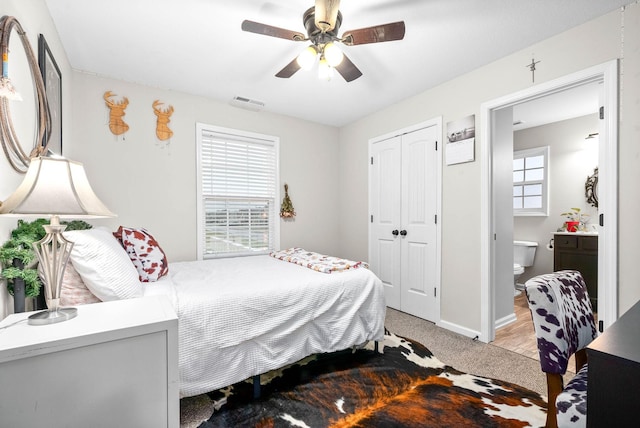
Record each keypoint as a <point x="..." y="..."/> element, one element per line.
<point x="20" y="248"/>
<point x="576" y="215"/>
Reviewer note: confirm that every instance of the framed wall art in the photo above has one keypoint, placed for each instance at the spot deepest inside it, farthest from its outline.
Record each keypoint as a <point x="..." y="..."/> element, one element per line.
<point x="462" y="136"/>
<point x="53" y="88"/>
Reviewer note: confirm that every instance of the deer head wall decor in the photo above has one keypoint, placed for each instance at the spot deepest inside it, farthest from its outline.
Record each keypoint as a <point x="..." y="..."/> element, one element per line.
<point x="116" y="111"/>
<point x="162" y="125"/>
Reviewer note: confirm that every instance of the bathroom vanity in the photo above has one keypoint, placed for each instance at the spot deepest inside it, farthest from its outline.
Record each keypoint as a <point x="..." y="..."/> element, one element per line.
<point x="578" y="251"/>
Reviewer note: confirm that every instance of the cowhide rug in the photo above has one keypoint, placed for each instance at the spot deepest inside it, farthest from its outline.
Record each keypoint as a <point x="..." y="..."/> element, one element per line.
<point x="401" y="385"/>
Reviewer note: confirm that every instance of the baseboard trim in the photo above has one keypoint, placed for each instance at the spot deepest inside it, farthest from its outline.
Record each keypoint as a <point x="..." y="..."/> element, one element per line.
<point x="459" y="329"/>
<point x="473" y="334"/>
<point x="506" y="320"/>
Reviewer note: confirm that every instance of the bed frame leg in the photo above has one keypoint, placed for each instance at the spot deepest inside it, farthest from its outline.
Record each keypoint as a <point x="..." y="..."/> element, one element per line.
<point x="256" y="386"/>
<point x="375" y="346"/>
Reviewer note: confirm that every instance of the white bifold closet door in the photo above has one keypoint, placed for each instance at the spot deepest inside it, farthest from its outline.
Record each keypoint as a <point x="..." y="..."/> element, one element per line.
<point x="403" y="221"/>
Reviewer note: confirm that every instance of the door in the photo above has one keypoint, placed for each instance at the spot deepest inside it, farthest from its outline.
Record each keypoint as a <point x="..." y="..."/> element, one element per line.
<point x="404" y="180"/>
<point x="502" y="243"/>
<point x="385" y="199"/>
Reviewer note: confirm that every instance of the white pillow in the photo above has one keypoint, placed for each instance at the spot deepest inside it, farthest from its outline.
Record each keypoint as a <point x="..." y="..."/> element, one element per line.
<point x="104" y="265"/>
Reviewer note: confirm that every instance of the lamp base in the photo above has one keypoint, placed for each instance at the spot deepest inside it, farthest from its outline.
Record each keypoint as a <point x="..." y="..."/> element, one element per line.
<point x="52" y="317"/>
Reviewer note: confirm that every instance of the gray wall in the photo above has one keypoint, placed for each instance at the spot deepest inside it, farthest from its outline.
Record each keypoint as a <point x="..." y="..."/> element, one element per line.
<point x="571" y="160"/>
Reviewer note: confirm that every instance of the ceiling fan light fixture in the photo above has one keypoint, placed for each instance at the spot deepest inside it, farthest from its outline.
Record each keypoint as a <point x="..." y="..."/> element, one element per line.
<point x="325" y="71"/>
<point x="326" y="13"/>
<point x="307" y="57"/>
<point x="333" y="54"/>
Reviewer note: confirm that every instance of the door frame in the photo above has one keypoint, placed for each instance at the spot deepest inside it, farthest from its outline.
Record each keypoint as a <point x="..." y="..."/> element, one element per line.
<point x="607" y="74"/>
<point x="436" y="121"/>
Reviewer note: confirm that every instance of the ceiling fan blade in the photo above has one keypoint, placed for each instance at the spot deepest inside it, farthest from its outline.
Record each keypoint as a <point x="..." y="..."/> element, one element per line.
<point x="348" y="70"/>
<point x="289" y="69"/>
<point x="268" y="30"/>
<point x="375" y="34"/>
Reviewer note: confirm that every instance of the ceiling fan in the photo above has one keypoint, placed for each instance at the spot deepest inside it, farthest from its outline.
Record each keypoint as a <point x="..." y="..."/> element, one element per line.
<point x="322" y="23"/>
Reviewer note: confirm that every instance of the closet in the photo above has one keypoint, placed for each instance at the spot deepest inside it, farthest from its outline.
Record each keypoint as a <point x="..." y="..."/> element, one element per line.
<point x="404" y="194"/>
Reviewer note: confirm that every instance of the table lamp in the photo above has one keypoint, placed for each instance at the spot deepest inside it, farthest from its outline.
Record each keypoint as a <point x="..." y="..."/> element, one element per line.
<point x="58" y="188"/>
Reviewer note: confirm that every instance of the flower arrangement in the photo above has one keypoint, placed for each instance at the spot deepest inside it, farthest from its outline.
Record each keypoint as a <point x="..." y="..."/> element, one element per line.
<point x="286" y="209"/>
<point x="575" y="220"/>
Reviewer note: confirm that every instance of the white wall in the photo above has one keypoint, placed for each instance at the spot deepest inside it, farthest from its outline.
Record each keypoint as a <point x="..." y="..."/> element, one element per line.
<point x="629" y="161"/>
<point x="153" y="185"/>
<point x="593" y="43"/>
<point x="571" y="160"/>
<point x="34" y="18"/>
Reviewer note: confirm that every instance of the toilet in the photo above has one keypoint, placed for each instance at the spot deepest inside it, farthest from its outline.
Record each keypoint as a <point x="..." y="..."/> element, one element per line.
<point x="524" y="253"/>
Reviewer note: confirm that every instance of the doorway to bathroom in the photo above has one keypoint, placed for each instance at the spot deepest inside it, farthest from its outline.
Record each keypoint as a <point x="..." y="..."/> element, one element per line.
<point x="555" y="148"/>
<point x="497" y="195"/>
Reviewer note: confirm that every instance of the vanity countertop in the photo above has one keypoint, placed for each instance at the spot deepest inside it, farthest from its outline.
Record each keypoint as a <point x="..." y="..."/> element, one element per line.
<point x="576" y="233"/>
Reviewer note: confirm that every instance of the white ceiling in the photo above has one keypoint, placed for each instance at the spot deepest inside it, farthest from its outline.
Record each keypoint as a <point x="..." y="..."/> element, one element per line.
<point x="197" y="46"/>
<point x="568" y="104"/>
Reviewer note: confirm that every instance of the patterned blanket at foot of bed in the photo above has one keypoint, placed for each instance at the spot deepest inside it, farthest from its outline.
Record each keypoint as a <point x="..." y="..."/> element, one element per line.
<point x="315" y="261"/>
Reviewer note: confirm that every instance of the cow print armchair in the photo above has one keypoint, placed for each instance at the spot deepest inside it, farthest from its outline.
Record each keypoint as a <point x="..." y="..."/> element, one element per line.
<point x="564" y="324"/>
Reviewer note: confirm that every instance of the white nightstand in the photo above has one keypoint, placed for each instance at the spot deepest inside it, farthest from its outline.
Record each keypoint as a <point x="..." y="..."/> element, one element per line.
<point x="114" y="365"/>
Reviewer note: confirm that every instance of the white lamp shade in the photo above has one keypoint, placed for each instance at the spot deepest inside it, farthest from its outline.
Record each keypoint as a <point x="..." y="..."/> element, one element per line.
<point x="307" y="57"/>
<point x="325" y="72"/>
<point x="333" y="54"/>
<point x="56" y="187"/>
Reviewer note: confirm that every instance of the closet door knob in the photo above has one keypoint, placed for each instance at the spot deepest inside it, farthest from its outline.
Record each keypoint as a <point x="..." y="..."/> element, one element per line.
<point x="395" y="232"/>
<point x="403" y="232"/>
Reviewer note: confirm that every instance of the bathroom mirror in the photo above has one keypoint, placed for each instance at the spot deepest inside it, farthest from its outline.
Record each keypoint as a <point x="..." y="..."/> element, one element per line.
<point x="591" y="189"/>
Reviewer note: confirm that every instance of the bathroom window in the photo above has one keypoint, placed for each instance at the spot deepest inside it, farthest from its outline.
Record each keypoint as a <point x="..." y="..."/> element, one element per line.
<point x="530" y="182"/>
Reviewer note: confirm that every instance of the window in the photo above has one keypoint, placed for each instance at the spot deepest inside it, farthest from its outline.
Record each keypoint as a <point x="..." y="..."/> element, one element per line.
<point x="530" y="182"/>
<point x="237" y="192"/>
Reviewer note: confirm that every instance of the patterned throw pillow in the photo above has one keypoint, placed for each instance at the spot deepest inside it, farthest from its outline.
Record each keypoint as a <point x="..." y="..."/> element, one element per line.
<point x="74" y="291"/>
<point x="145" y="253"/>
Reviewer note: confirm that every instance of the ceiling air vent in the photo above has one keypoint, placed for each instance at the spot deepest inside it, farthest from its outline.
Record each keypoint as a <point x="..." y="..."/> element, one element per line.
<point x="247" y="104"/>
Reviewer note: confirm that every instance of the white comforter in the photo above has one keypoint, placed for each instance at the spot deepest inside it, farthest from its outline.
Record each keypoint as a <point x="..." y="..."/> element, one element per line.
<point x="245" y="316"/>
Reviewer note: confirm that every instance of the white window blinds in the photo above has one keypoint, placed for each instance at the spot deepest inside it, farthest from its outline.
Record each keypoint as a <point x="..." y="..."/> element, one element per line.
<point x="238" y="192"/>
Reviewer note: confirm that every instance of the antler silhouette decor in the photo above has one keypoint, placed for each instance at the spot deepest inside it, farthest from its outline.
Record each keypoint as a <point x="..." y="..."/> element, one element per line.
<point x="116" y="124"/>
<point x="162" y="125"/>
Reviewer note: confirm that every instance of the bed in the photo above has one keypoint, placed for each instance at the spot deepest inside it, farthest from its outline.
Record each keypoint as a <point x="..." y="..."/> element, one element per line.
<point x="241" y="317"/>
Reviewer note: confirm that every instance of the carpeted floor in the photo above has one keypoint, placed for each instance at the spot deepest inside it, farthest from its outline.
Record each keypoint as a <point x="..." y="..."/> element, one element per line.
<point x="471" y="356"/>
<point x="405" y="385"/>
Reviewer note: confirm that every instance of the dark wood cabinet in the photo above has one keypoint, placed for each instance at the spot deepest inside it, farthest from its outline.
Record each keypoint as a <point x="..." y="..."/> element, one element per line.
<point x="614" y="374"/>
<point x="578" y="252"/>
